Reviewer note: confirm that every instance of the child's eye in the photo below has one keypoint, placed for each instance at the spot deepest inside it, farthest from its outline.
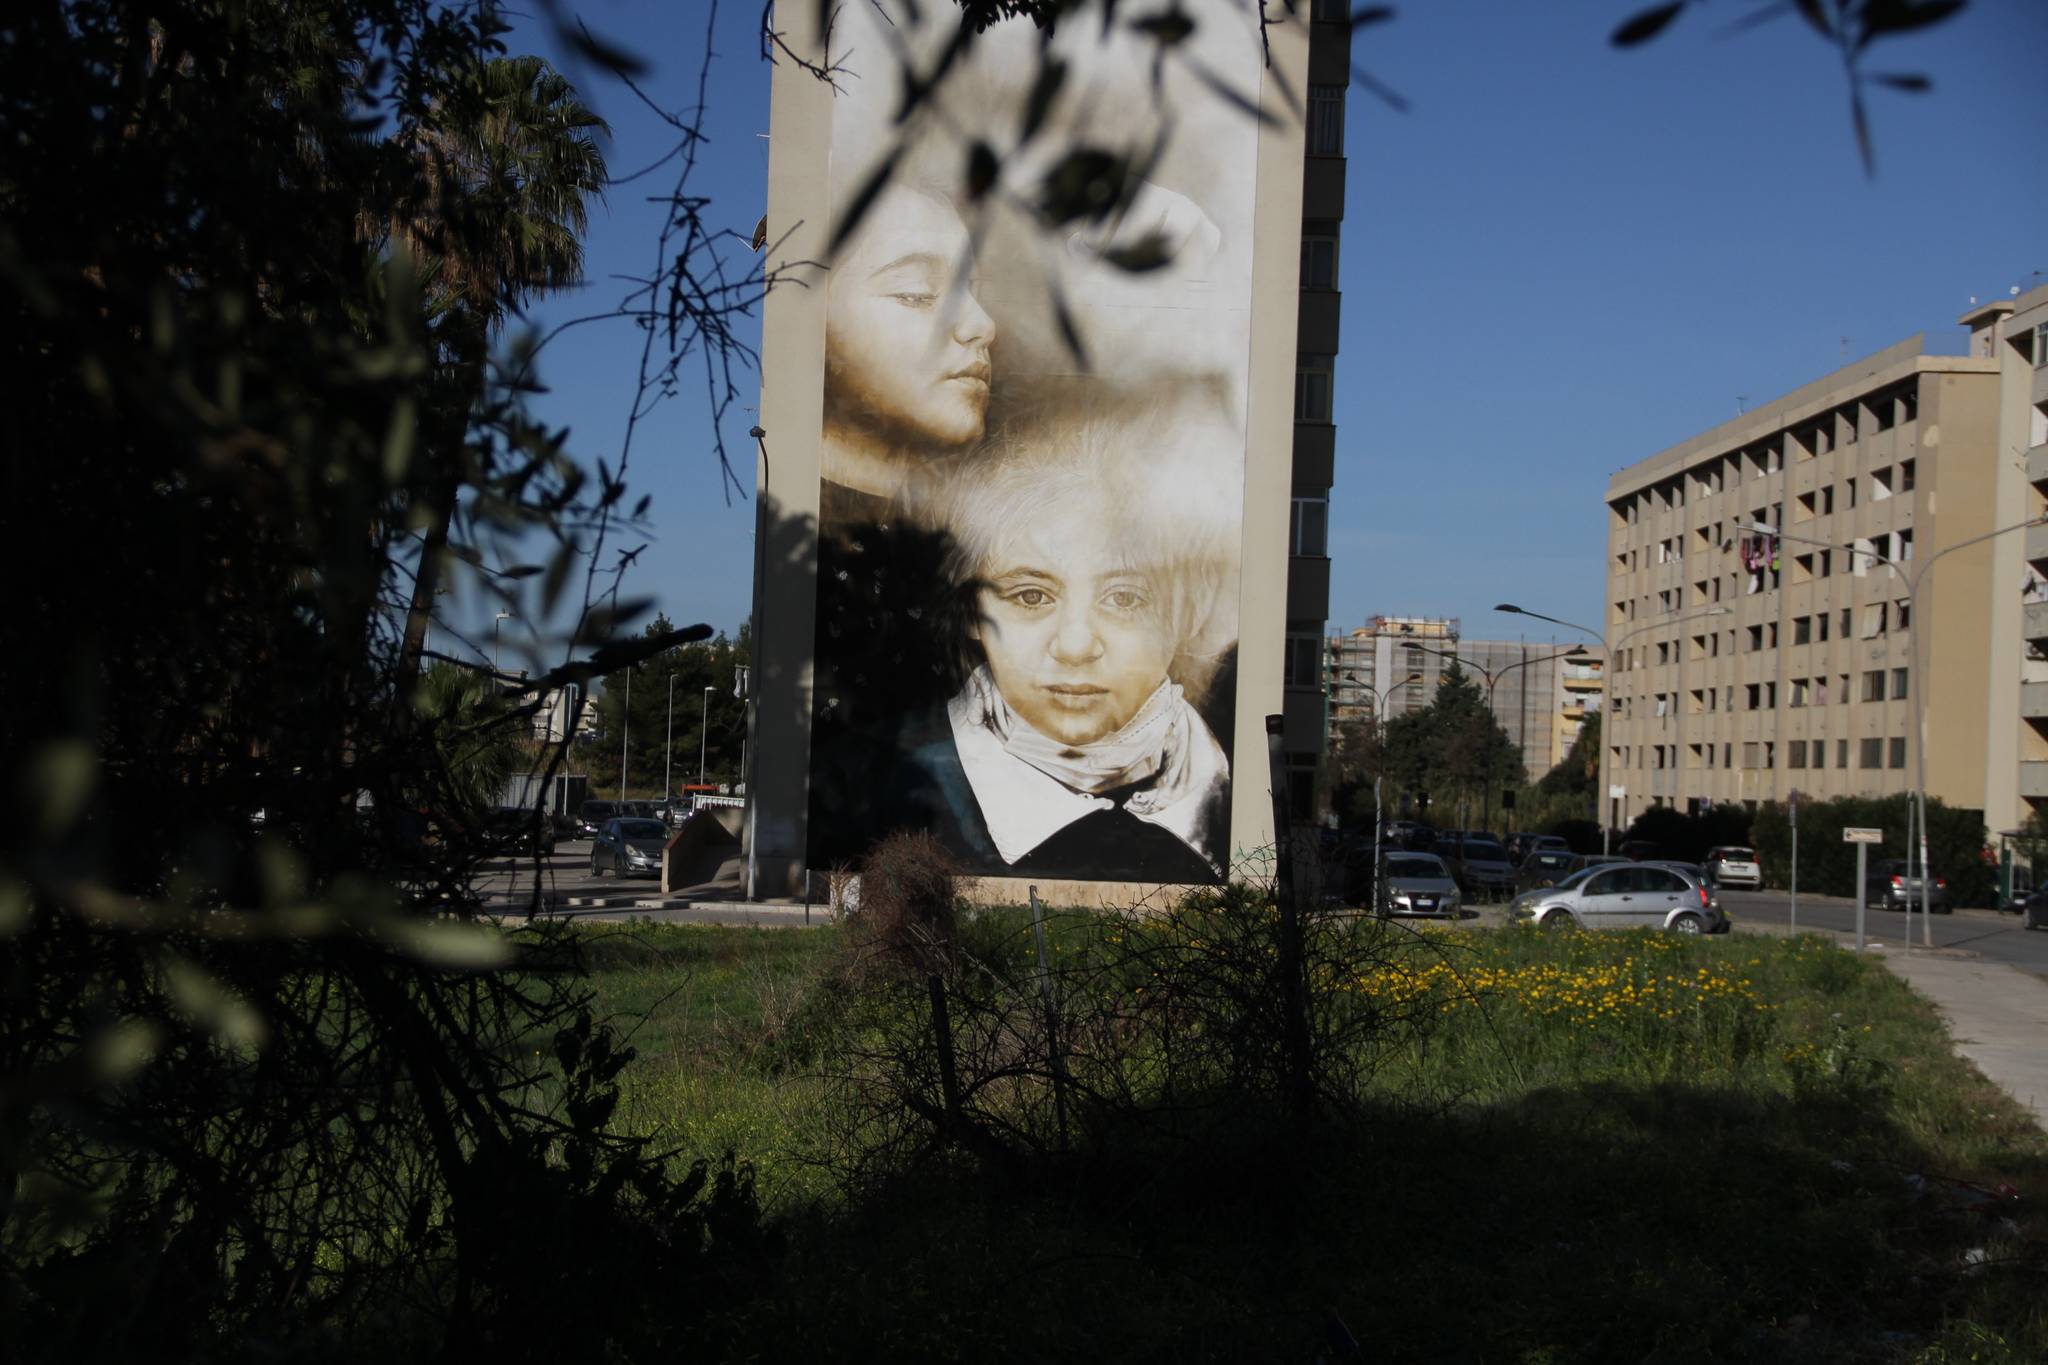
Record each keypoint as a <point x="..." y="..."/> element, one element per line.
<point x="1126" y="599"/>
<point x="915" y="300"/>
<point x="1031" y="597"/>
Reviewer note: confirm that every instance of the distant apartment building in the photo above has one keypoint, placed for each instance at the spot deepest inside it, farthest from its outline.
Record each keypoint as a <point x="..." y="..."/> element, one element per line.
<point x="551" y="718"/>
<point x="1759" y="608"/>
<point x="1540" y="697"/>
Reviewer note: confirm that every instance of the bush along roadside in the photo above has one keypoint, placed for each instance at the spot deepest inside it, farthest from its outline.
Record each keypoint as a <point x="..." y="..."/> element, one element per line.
<point x="1956" y="845"/>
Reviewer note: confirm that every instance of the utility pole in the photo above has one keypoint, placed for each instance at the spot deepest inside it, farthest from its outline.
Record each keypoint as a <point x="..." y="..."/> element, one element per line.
<point x="625" y="732"/>
<point x="668" y="763"/>
<point x="703" y="735"/>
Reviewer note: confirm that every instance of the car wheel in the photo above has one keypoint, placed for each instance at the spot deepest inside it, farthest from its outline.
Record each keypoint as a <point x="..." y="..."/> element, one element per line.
<point x="1560" y="922"/>
<point x="596" y="868"/>
<point x="1688" y="924"/>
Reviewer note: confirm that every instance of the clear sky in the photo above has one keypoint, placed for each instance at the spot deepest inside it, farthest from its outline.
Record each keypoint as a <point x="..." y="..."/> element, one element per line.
<point x="1562" y="259"/>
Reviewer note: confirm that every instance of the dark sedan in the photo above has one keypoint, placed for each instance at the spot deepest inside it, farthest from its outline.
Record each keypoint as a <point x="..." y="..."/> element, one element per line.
<point x="1481" y="866"/>
<point x="629" y="848"/>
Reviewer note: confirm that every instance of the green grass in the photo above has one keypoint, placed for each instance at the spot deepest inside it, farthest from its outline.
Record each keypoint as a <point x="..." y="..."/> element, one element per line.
<point x="1588" y="1148"/>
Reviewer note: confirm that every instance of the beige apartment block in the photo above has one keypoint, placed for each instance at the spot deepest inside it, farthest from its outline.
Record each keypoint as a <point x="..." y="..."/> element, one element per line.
<point x="1744" y="666"/>
<point x="2019" y="341"/>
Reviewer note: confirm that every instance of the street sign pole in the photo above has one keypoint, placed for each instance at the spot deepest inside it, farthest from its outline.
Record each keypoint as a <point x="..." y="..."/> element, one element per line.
<point x="1863" y="839"/>
<point x="1795" y="860"/>
<point x="1862" y="853"/>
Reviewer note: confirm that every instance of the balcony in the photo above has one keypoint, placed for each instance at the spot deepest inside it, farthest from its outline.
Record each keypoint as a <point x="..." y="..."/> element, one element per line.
<point x="2034" y="780"/>
<point x="1308" y="588"/>
<point x="1315" y="456"/>
<point x="1316" y="321"/>
<point x="2034" y="700"/>
<point x="2037" y="546"/>
<point x="2035" y="624"/>
<point x="1322" y="187"/>
<point x="2037" y="465"/>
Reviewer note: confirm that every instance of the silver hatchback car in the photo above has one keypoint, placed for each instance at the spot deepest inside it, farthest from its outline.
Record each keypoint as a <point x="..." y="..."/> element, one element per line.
<point x="1623" y="896"/>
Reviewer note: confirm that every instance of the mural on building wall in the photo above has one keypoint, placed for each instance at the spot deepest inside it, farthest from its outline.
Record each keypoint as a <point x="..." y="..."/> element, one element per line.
<point x="1033" y="453"/>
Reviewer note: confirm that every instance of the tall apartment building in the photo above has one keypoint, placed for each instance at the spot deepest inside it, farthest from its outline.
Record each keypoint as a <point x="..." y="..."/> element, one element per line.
<point x="1746" y="664"/>
<point x="2019" y="343"/>
<point x="1315" y="434"/>
<point x="1539" y="696"/>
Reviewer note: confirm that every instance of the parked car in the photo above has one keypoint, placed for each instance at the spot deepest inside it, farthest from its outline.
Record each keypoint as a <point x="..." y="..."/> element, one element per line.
<point x="1888" y="887"/>
<point x="1420" y="884"/>
<point x="1623" y="896"/>
<point x="1520" y="846"/>
<point x="521" y="829"/>
<point x="1410" y="834"/>
<point x="1640" y="850"/>
<point x="1544" y="867"/>
<point x="1480" y="866"/>
<point x="2034" y="913"/>
<point x="1731" y="865"/>
<point x="591" y="817"/>
<point x="629" y="847"/>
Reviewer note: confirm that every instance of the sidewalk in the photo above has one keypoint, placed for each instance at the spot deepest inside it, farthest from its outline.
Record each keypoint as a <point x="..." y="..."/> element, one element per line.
<point x="1997" y="1014"/>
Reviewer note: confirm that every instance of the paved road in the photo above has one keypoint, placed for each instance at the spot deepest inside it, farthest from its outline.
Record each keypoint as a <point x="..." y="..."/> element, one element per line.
<point x="1989" y="933"/>
<point x="565" y="874"/>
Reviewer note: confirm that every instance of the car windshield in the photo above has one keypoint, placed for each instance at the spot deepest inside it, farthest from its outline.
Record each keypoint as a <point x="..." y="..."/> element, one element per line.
<point x="1738" y="855"/>
<point x="1414" y="867"/>
<point x="643" y="829"/>
<point x="1580" y="875"/>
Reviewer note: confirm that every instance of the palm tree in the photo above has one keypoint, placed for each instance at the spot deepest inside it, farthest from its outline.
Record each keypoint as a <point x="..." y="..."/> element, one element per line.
<point x="505" y="166"/>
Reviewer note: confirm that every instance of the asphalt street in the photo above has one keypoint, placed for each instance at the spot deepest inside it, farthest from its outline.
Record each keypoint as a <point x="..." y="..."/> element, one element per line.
<point x="1988" y="933"/>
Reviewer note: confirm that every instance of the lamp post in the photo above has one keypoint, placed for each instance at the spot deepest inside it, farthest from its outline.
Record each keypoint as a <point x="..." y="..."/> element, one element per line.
<point x="1607" y="822"/>
<point x="703" y="735"/>
<point x="625" y="731"/>
<point x="1379" y="708"/>
<point x="668" y="763"/>
<point x="501" y="616"/>
<point x="1914" y="681"/>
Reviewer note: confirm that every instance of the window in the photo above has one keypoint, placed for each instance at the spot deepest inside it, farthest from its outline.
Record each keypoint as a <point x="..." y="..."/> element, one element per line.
<point x="1820" y="753"/>
<point x="1842" y="691"/>
<point x="1870" y="753"/>
<point x="1325" y="120"/>
<point x="1848" y="622"/>
<point x="1318" y="260"/>
<point x="1800" y="691"/>
<point x="2041" y="345"/>
<point x="1770" y="696"/>
<point x="1873" y="690"/>
<point x="1802" y="632"/>
<point x="1895" y="753"/>
<point x="1756" y="638"/>
<point x="1898" y="684"/>
<point x="1827" y="500"/>
<point x="1752" y="702"/>
<point x="1906" y="470"/>
<point x="1312" y="378"/>
<point x="1304" y="661"/>
<point x="1841" y="753"/>
<point x="1727" y="752"/>
<point x="1795" y="754"/>
<point x="1751" y="752"/>
<point x="1820" y="622"/>
<point x="1904" y="614"/>
<point x="1820" y="691"/>
<point x="1310" y="533"/>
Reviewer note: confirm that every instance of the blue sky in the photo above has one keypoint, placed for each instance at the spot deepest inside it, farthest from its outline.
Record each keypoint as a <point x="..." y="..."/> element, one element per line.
<point x="1561" y="260"/>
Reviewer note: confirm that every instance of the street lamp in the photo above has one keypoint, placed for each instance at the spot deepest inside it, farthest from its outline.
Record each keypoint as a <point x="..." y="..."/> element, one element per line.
<point x="703" y="735"/>
<point x="1379" y="709"/>
<point x="1914" y="678"/>
<point x="501" y="616"/>
<point x="668" y="762"/>
<point x="625" y="730"/>
<point x="1613" y="651"/>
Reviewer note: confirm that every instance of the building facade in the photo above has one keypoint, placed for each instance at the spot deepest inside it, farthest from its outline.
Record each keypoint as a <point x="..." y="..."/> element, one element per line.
<point x="2019" y="342"/>
<point x="1313" y="462"/>
<point x="1761" y="608"/>
<point x="1540" y="691"/>
<point x="1029" y="546"/>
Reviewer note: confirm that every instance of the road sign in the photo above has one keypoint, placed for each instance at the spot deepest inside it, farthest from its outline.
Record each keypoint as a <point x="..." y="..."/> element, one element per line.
<point x="1862" y="836"/>
<point x="1616" y="791"/>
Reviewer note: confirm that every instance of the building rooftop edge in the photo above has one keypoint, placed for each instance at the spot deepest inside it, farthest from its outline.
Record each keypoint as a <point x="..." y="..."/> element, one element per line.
<point x="1873" y="371"/>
